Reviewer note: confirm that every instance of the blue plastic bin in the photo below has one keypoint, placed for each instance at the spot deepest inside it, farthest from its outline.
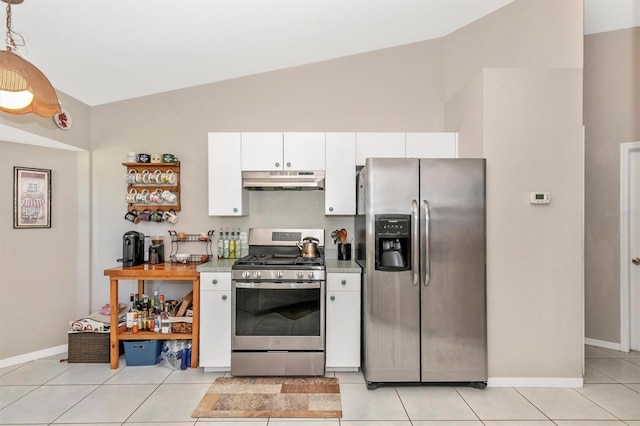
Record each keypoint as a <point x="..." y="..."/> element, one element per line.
<point x="142" y="352"/>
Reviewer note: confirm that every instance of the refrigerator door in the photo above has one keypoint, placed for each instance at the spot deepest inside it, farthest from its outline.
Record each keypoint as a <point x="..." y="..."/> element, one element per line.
<point x="453" y="300"/>
<point x="391" y="303"/>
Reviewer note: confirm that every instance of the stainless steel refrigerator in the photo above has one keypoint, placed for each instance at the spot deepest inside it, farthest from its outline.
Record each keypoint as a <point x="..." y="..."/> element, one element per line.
<point x="424" y="280"/>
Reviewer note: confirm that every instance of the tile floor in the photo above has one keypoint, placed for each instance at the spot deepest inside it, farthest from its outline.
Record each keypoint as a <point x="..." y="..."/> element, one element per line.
<point x="48" y="391"/>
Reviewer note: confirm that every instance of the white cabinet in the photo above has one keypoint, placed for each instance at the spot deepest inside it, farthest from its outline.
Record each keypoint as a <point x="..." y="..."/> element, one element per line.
<point x="226" y="196"/>
<point x="283" y="151"/>
<point x="215" y="321"/>
<point x="343" y="321"/>
<point x="304" y="151"/>
<point x="431" y="145"/>
<point x="340" y="174"/>
<point x="379" y="145"/>
<point x="261" y="151"/>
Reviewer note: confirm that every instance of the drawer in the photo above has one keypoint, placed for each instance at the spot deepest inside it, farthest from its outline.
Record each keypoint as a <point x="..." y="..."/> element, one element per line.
<point x="343" y="282"/>
<point x="212" y="281"/>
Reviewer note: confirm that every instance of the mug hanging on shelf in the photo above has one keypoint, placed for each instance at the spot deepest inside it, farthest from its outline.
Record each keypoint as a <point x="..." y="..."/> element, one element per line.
<point x="132" y="216"/>
<point x="130" y="197"/>
<point x="131" y="176"/>
<point x="169" y="196"/>
<point x="142" y="197"/>
<point x="156" y="196"/>
<point x="170" y="216"/>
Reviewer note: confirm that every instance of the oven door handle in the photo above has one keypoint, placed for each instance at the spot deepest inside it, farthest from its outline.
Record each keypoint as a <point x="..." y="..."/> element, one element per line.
<point x="278" y="286"/>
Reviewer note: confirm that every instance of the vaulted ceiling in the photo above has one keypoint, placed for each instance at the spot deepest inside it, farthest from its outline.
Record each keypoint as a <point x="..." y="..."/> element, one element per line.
<point x="101" y="51"/>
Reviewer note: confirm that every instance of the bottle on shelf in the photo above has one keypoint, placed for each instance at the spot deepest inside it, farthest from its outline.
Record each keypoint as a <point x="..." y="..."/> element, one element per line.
<point x="130" y="313"/>
<point x="156" y="299"/>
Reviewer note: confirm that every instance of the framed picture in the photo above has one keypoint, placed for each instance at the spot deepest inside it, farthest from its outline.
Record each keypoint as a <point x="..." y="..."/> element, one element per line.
<point x="31" y="198"/>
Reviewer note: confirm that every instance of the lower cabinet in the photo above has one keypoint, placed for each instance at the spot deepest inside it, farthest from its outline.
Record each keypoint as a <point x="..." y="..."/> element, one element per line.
<point x="215" y="321"/>
<point x="343" y="321"/>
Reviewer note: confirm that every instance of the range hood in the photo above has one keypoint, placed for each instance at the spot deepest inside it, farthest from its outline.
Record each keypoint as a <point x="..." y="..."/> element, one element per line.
<point x="283" y="180"/>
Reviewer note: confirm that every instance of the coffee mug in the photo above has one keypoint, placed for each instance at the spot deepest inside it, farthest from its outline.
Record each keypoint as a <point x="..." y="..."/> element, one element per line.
<point x="131" y="176"/>
<point x="156" y="196"/>
<point x="139" y="177"/>
<point x="142" y="197"/>
<point x="145" y="215"/>
<point x="132" y="216"/>
<point x="144" y="158"/>
<point x="156" y="158"/>
<point x="168" y="158"/>
<point x="167" y="177"/>
<point x="169" y="196"/>
<point x="170" y="216"/>
<point x="154" y="177"/>
<point x="145" y="176"/>
<point x="157" y="216"/>
<point x="132" y="157"/>
<point x="131" y="196"/>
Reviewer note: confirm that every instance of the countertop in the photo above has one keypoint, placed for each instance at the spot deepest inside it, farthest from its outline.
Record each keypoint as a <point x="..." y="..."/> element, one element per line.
<point x="332" y="265"/>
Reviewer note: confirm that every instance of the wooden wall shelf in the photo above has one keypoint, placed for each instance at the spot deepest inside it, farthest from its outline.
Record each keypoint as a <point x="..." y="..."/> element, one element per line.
<point x="154" y="186"/>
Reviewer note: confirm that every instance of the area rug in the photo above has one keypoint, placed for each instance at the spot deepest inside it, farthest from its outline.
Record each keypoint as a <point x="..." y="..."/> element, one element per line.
<point x="271" y="397"/>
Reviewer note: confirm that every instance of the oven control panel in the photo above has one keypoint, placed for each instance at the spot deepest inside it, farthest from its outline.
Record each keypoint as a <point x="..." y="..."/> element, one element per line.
<point x="279" y="275"/>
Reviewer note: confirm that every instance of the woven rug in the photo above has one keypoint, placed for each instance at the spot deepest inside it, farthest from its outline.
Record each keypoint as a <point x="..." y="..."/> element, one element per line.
<point x="271" y="397"/>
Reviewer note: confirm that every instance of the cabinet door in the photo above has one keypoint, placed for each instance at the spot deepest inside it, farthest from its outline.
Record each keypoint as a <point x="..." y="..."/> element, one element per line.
<point x="262" y="151"/>
<point x="226" y="196"/>
<point x="340" y="174"/>
<point x="343" y="330"/>
<point x="432" y="145"/>
<point x="215" y="321"/>
<point x="304" y="151"/>
<point x="379" y="145"/>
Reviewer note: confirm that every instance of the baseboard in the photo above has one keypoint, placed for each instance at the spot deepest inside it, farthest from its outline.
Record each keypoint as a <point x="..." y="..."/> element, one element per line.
<point x="535" y="382"/>
<point x="602" y="344"/>
<point x="44" y="353"/>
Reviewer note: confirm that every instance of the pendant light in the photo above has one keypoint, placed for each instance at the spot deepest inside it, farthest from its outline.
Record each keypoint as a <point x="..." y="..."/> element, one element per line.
<point x="23" y="87"/>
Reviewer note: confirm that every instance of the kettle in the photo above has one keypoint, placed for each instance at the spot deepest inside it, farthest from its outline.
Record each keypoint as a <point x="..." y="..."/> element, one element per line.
<point x="309" y="247"/>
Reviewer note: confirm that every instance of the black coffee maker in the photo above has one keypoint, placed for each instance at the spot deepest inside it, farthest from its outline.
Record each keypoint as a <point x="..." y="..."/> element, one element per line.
<point x="132" y="248"/>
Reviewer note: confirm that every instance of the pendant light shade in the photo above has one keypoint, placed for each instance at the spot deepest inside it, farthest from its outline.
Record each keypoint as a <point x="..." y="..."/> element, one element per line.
<point x="23" y="87"/>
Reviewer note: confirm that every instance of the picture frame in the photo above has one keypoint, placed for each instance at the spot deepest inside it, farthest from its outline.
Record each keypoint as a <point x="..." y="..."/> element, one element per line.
<point x="31" y="198"/>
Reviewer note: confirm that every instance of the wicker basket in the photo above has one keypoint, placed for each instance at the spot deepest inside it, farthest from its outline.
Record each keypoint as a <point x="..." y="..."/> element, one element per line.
<point x="181" y="327"/>
<point x="89" y="347"/>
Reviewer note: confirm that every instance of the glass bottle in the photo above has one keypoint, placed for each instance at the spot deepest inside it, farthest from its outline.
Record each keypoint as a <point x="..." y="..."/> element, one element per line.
<point x="130" y="313"/>
<point x="232" y="245"/>
<point x="226" y="244"/>
<point x="220" y="246"/>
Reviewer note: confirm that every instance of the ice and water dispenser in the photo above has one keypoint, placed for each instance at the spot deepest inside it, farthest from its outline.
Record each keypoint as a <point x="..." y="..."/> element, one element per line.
<point x="393" y="242"/>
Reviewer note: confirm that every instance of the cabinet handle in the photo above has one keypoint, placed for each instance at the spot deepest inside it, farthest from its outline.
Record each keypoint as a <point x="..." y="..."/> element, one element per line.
<point x="332" y="298"/>
<point x="214" y="282"/>
<point x="235" y="210"/>
<point x="277" y="164"/>
<point x="344" y="282"/>
<point x="330" y="209"/>
<point x="224" y="297"/>
<point x="288" y="164"/>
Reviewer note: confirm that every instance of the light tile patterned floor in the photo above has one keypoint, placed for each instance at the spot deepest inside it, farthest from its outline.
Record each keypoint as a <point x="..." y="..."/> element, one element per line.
<point x="48" y="391"/>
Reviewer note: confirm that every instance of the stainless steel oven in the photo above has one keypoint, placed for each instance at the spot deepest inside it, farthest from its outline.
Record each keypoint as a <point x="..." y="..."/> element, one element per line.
<point x="278" y="306"/>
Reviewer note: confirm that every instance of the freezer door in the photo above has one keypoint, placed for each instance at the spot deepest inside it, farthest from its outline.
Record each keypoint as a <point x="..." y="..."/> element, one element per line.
<point x="391" y="307"/>
<point x="453" y="297"/>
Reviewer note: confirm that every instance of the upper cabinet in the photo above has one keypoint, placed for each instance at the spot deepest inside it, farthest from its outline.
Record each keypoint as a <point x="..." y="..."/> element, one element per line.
<point x="226" y="196"/>
<point x="431" y="145"/>
<point x="379" y="145"/>
<point x="304" y="151"/>
<point x="340" y="172"/>
<point x="266" y="151"/>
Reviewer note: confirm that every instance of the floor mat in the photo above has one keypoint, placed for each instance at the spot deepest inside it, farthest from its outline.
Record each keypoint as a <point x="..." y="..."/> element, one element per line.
<point x="271" y="397"/>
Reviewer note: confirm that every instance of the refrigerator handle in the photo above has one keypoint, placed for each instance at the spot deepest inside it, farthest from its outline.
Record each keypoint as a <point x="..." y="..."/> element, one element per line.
<point x="426" y="265"/>
<point x="415" y="247"/>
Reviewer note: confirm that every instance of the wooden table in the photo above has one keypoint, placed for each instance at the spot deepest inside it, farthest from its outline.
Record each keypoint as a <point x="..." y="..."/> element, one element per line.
<point x="159" y="271"/>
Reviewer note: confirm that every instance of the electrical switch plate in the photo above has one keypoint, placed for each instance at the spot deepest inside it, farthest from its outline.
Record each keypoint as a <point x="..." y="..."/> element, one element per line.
<point x="540" y="197"/>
